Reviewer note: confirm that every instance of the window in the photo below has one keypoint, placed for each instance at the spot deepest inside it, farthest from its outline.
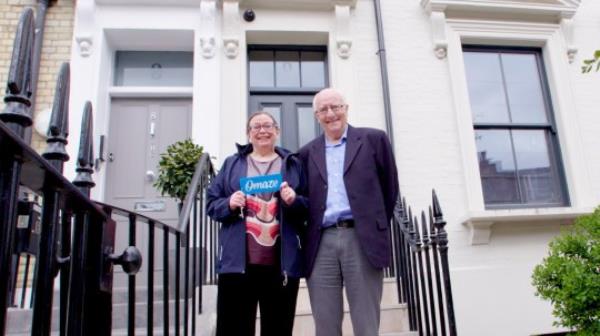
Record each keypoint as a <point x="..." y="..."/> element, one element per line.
<point x="282" y="80"/>
<point x="517" y="147"/>
<point x="154" y="68"/>
<point x="286" y="69"/>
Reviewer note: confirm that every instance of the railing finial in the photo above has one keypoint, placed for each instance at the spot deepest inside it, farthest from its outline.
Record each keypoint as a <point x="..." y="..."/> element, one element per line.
<point x="58" y="131"/>
<point x="437" y="210"/>
<point x="85" y="159"/>
<point x="18" y="88"/>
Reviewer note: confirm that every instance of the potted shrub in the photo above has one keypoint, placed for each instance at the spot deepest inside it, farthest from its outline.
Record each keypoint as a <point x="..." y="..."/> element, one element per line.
<point x="569" y="277"/>
<point x="176" y="168"/>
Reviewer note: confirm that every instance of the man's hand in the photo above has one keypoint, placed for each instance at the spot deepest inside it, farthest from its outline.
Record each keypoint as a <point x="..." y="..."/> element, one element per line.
<point x="288" y="195"/>
<point x="237" y="200"/>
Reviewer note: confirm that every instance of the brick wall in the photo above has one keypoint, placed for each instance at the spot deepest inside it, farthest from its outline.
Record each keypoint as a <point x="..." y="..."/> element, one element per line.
<point x="56" y="48"/>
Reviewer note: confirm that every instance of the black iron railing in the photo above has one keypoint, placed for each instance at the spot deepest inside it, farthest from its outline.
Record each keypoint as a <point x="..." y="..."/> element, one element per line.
<point x="423" y="277"/>
<point x="204" y="229"/>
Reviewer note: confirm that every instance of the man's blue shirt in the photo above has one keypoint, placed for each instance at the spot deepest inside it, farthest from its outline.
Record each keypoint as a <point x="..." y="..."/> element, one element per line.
<point x="337" y="207"/>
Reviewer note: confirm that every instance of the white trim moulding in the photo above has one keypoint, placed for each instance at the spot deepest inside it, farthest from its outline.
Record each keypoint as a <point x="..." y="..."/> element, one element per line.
<point x="555" y="11"/>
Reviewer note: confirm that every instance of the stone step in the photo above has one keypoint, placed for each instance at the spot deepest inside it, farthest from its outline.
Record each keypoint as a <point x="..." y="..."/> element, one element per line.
<point x="394" y="316"/>
<point x="389" y="296"/>
<point x="19" y="320"/>
<point x="394" y="319"/>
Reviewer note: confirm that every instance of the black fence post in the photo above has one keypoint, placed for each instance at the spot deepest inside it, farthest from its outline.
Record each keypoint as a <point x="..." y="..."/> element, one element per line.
<point x="436" y="269"/>
<point x="421" y="275"/>
<point x="426" y="248"/>
<point x="442" y="239"/>
<point x="17" y="116"/>
<point x="47" y="260"/>
<point x="87" y="240"/>
<point x="409" y="268"/>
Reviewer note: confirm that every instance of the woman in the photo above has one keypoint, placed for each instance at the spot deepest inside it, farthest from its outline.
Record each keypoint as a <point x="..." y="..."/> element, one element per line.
<point x="260" y="259"/>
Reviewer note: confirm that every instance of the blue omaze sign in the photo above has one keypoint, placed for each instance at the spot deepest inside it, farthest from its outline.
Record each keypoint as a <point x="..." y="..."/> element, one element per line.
<point x="260" y="184"/>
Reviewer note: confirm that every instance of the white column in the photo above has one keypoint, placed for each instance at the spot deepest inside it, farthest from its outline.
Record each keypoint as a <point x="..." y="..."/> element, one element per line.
<point x="206" y="123"/>
<point x="342" y="74"/>
<point x="85" y="57"/>
<point x="233" y="74"/>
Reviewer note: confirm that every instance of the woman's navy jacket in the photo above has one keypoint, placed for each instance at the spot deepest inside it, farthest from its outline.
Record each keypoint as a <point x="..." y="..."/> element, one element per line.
<point x="232" y="235"/>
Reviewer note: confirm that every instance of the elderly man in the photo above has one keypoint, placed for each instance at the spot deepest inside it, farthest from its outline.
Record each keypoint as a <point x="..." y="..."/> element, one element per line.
<point x="352" y="189"/>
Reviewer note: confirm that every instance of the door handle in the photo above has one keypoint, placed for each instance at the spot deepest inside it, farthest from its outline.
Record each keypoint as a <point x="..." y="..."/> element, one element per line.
<point x="150" y="176"/>
<point x="111" y="157"/>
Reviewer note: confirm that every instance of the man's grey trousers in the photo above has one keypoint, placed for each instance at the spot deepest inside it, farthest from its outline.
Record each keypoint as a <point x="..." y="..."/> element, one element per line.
<point x="341" y="263"/>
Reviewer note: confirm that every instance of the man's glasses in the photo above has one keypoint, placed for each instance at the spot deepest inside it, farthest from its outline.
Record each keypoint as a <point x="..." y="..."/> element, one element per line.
<point x="335" y="108"/>
<point x="266" y="126"/>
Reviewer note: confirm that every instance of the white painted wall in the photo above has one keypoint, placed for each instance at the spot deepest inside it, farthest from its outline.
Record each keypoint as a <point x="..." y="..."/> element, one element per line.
<point x="491" y="282"/>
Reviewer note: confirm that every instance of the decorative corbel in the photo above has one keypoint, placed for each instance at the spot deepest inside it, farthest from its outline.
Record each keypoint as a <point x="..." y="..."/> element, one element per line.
<point x="343" y="40"/>
<point x="480" y="232"/>
<point x="438" y="29"/>
<point x="207" y="47"/>
<point x="86" y="20"/>
<point x="85" y="43"/>
<point x="231" y="28"/>
<point x="208" y="12"/>
<point x="566" y="24"/>
<point x="231" y="46"/>
<point x="437" y="15"/>
<point x="344" y="48"/>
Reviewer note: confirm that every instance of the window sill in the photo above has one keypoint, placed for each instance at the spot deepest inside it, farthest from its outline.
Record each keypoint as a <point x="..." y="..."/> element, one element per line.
<point x="480" y="223"/>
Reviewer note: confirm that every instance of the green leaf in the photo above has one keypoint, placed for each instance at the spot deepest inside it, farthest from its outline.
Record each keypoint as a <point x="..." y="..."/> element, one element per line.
<point x="176" y="168"/>
<point x="569" y="277"/>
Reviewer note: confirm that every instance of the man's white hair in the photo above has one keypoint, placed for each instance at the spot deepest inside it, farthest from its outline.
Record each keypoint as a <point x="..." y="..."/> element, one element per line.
<point x="328" y="90"/>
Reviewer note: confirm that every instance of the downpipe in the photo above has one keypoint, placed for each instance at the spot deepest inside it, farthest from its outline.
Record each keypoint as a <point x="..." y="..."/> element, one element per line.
<point x="385" y="85"/>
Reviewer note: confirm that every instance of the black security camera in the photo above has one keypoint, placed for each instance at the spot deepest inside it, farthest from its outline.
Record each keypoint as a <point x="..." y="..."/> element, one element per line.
<point x="249" y="15"/>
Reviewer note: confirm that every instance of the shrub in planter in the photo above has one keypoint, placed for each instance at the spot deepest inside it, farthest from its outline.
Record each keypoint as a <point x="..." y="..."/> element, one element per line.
<point x="570" y="276"/>
<point x="176" y="168"/>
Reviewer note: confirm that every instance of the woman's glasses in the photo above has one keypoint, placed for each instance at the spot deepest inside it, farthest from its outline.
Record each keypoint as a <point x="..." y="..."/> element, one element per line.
<point x="266" y="126"/>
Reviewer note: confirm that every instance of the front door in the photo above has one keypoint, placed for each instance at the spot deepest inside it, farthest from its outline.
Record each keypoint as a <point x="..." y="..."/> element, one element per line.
<point x="140" y="130"/>
<point x="293" y="113"/>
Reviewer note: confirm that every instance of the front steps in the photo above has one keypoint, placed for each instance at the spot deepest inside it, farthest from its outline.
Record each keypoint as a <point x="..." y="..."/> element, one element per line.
<point x="394" y="316"/>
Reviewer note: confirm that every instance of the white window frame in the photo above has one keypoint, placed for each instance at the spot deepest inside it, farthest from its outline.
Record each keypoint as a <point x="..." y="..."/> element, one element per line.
<point x="449" y="35"/>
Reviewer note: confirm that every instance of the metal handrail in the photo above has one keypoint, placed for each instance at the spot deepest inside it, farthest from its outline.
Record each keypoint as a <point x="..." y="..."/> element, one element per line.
<point x="35" y="165"/>
<point x="140" y="217"/>
<point x="204" y="167"/>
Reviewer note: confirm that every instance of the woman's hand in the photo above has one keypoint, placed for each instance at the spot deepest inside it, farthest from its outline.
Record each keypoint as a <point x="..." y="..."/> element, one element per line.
<point x="237" y="200"/>
<point x="288" y="195"/>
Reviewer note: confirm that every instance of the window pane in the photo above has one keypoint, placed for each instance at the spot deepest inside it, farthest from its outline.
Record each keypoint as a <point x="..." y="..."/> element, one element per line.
<point x="313" y="69"/>
<point x="486" y="90"/>
<point x="497" y="167"/>
<point x="287" y="69"/>
<point x="262" y="73"/>
<point x="275" y="110"/>
<point x="539" y="183"/>
<point x="525" y="96"/>
<point x="306" y="124"/>
<point x="154" y="68"/>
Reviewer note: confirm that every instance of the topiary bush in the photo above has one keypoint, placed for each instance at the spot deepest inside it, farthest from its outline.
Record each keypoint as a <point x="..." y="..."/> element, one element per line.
<point x="570" y="276"/>
<point x="176" y="168"/>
